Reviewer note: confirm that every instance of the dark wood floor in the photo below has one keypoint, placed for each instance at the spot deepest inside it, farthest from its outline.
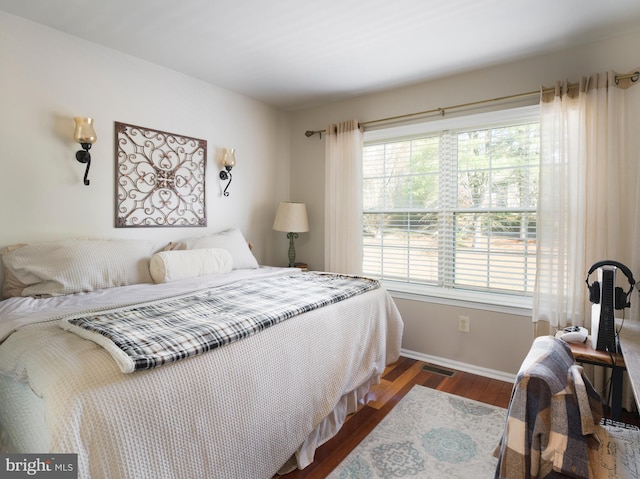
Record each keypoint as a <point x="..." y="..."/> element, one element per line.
<point x="396" y="381"/>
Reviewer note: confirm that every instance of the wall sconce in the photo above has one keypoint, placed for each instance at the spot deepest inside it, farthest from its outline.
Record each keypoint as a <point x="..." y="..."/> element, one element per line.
<point x="292" y="219"/>
<point x="228" y="161"/>
<point x="86" y="136"/>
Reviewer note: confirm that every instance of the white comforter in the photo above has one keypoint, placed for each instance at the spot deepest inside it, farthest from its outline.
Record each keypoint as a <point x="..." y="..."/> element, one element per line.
<point x="240" y="411"/>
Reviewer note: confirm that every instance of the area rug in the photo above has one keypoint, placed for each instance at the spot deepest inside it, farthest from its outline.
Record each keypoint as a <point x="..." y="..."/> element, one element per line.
<point x="429" y="434"/>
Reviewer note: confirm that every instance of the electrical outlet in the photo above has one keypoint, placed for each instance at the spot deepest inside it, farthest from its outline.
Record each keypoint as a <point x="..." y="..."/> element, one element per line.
<point x="463" y="324"/>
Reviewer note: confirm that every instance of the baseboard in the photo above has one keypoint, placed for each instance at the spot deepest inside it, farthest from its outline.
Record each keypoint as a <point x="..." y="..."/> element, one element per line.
<point x="468" y="368"/>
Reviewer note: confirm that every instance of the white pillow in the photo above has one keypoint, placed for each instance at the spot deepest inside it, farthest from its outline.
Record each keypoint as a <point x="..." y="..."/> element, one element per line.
<point x="167" y="266"/>
<point x="233" y="241"/>
<point x="72" y="266"/>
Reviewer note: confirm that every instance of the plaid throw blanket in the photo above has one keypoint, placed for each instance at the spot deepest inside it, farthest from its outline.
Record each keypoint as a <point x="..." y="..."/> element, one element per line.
<point x="553" y="420"/>
<point x="164" y="331"/>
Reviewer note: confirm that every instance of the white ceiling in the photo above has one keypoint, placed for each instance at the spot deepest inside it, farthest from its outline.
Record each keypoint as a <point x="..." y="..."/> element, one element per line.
<point x="298" y="53"/>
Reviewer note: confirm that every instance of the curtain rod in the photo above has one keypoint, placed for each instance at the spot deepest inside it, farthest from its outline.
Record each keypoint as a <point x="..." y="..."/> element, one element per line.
<point x="442" y="111"/>
<point x="634" y="77"/>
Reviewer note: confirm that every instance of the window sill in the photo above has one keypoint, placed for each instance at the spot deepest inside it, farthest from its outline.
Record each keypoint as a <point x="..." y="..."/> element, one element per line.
<point x="499" y="303"/>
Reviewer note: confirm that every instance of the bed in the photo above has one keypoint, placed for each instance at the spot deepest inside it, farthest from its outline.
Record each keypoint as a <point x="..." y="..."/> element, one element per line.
<point x="251" y="408"/>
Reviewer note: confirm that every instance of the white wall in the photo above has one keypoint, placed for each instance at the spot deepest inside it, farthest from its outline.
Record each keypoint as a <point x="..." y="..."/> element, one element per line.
<point x="48" y="77"/>
<point x="497" y="341"/>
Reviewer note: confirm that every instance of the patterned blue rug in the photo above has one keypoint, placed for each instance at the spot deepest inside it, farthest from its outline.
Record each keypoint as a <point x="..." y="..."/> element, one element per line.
<point x="429" y="434"/>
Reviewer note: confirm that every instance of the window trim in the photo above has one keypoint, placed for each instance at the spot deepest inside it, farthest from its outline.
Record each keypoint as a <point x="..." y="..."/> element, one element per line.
<point x="495" y="302"/>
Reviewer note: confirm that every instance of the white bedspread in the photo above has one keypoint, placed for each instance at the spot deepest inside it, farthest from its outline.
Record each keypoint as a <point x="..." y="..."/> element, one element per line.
<point x="240" y="411"/>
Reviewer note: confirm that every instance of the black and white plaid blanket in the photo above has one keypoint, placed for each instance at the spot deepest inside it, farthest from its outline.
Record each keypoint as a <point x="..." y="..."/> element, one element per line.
<point x="168" y="330"/>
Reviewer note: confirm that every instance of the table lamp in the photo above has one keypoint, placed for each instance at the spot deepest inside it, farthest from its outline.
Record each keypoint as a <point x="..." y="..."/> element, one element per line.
<point x="292" y="219"/>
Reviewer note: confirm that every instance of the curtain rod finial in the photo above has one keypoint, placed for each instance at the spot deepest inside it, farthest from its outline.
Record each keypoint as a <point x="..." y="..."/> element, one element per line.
<point x="310" y="133"/>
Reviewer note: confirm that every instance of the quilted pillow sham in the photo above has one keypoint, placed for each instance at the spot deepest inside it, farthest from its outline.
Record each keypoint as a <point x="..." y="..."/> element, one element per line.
<point x="167" y="266"/>
<point x="231" y="240"/>
<point x="73" y="266"/>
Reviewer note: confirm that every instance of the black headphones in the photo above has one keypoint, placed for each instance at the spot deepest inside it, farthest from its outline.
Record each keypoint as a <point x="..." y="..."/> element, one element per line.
<point x="620" y="297"/>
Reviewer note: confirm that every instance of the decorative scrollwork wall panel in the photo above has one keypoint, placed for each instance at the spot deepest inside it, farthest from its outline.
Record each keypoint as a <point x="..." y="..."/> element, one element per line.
<point x="160" y="178"/>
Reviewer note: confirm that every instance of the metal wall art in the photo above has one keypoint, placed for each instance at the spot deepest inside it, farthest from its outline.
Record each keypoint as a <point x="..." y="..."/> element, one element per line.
<point x="160" y="178"/>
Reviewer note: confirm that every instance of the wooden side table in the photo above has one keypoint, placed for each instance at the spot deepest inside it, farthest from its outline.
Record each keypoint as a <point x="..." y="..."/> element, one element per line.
<point x="584" y="353"/>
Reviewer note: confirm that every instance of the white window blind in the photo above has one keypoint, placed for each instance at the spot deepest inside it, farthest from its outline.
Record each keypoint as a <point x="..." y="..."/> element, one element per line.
<point x="452" y="204"/>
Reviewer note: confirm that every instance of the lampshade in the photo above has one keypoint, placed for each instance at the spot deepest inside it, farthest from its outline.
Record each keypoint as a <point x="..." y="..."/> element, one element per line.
<point x="291" y="218"/>
<point x="84" y="132"/>
<point x="229" y="158"/>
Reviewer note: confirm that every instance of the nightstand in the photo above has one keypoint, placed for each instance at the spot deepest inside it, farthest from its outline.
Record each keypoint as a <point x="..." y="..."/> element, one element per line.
<point x="302" y="266"/>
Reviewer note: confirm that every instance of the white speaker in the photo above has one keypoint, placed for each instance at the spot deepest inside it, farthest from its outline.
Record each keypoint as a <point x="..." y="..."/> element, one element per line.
<point x="603" y="327"/>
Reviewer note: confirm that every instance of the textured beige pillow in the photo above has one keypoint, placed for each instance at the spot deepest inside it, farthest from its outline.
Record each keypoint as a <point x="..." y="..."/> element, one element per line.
<point x="72" y="266"/>
<point x="231" y="240"/>
<point x="12" y="286"/>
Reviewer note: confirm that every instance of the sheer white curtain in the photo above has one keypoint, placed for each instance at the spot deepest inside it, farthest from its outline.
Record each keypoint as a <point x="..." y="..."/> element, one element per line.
<point x="588" y="207"/>
<point x="558" y="298"/>
<point x="343" y="198"/>
<point x="589" y="202"/>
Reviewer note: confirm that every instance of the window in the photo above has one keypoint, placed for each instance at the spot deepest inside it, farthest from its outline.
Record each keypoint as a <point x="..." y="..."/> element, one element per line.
<point x="452" y="203"/>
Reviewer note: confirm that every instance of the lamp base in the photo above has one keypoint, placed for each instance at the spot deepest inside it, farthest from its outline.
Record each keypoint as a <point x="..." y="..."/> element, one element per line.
<point x="292" y="249"/>
<point x="83" y="156"/>
<point x="226" y="175"/>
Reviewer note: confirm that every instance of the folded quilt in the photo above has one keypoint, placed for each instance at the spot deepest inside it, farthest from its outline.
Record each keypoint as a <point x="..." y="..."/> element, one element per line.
<point x="164" y="331"/>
